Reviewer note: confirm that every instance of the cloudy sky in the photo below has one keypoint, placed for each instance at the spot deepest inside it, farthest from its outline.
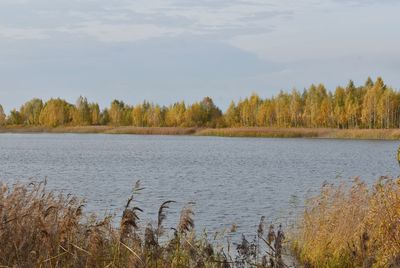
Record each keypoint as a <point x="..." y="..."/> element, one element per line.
<point x="170" y="50"/>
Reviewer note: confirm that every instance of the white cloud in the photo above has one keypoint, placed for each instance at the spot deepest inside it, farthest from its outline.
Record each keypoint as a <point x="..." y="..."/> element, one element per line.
<point x="329" y="32"/>
<point x="121" y="32"/>
<point x="145" y="19"/>
<point x="284" y="30"/>
<point x="23" y="33"/>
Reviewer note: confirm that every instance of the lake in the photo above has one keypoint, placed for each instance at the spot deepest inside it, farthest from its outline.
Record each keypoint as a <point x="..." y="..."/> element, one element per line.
<point x="231" y="180"/>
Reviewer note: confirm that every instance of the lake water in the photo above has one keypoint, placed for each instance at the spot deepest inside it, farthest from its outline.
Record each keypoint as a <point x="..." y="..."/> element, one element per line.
<point x="231" y="180"/>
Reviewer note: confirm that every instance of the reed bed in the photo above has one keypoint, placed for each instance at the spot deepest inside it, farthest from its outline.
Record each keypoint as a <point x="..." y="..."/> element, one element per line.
<point x="63" y="129"/>
<point x="344" y="226"/>
<point x="152" y="130"/>
<point x="41" y="228"/>
<point x="101" y="129"/>
<point x="263" y="132"/>
<point x="327" y="133"/>
<point x="351" y="226"/>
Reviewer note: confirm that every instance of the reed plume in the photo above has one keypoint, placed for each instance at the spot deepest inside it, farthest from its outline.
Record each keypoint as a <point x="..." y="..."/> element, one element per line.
<point x="186" y="222"/>
<point x="162" y="215"/>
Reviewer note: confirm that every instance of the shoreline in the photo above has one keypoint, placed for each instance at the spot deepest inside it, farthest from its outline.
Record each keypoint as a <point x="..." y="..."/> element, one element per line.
<point x="257" y="132"/>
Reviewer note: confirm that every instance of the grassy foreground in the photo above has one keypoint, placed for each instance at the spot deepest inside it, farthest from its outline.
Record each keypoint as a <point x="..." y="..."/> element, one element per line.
<point x="351" y="226"/>
<point x="344" y="226"/>
<point x="327" y="133"/>
<point x="40" y="228"/>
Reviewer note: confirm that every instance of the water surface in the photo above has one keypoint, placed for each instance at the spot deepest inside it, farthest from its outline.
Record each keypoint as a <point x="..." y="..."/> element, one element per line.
<point x="231" y="180"/>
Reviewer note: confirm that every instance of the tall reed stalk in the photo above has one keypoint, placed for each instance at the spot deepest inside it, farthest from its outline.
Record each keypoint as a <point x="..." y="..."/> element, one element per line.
<point x="41" y="228"/>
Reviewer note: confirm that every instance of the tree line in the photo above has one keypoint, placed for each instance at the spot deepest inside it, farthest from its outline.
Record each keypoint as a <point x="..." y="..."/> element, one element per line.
<point x="372" y="105"/>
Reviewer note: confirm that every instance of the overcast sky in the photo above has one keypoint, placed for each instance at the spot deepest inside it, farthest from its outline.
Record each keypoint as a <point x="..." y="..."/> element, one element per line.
<point x="164" y="51"/>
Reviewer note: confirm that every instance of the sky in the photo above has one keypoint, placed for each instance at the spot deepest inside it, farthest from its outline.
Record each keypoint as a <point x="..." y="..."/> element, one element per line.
<point x="165" y="51"/>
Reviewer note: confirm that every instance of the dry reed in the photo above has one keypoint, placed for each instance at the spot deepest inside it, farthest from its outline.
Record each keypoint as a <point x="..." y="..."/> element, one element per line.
<point x="325" y="133"/>
<point x="328" y="133"/>
<point x="41" y="228"/>
<point x="351" y="226"/>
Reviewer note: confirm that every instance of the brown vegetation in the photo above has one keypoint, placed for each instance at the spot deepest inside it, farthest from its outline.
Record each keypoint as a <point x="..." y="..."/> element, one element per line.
<point x="267" y="132"/>
<point x="351" y="226"/>
<point x="101" y="129"/>
<point x="40" y="228"/>
<point x="152" y="130"/>
<point x="324" y="133"/>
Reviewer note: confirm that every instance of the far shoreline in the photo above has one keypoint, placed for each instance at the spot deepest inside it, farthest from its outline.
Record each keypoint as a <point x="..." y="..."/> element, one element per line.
<point x="258" y="132"/>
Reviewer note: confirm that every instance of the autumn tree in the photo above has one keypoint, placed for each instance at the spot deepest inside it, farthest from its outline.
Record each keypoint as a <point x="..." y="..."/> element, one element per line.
<point x="339" y="107"/>
<point x="353" y="104"/>
<point x="138" y="116"/>
<point x="175" y="115"/>
<point x="104" y="117"/>
<point x="245" y="114"/>
<point x="120" y="114"/>
<point x="14" y="118"/>
<point x="94" y="111"/>
<point x="268" y="111"/>
<point x="232" y="115"/>
<point x="282" y="109"/>
<point x="30" y="111"/>
<point x="81" y="115"/>
<point x="212" y="113"/>
<point x="386" y="108"/>
<point x="155" y="116"/>
<point x="325" y="116"/>
<point x="2" y="116"/>
<point x="295" y="108"/>
<point x="56" y="112"/>
<point x="370" y="103"/>
<point x="194" y="116"/>
<point x="314" y="98"/>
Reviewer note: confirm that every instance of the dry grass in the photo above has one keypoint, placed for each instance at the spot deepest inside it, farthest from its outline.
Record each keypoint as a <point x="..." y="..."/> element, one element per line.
<point x="40" y="228"/>
<point x="152" y="130"/>
<point x="101" y="129"/>
<point x="64" y="129"/>
<point x="327" y="133"/>
<point x="372" y="134"/>
<point x="351" y="226"/>
<point x="264" y="132"/>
